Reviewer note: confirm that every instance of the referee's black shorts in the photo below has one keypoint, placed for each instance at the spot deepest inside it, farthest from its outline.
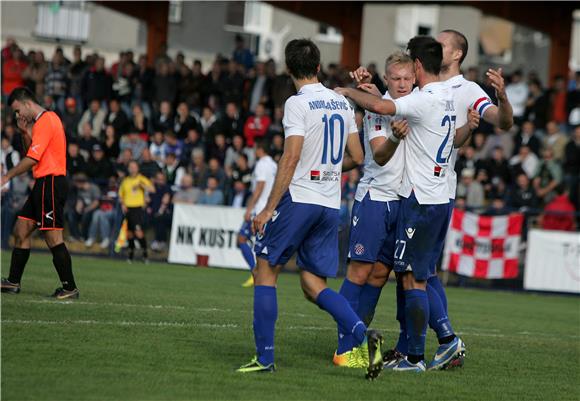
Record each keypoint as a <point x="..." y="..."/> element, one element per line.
<point x="135" y="218"/>
<point x="45" y="204"/>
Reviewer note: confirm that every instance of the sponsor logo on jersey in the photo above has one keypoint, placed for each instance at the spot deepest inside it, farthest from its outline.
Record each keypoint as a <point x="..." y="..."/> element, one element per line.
<point x="354" y="221"/>
<point x="438" y="171"/>
<point x="410" y="232"/>
<point x="359" y="249"/>
<point x="314" y="175"/>
<point x="275" y="215"/>
<point x="49" y="215"/>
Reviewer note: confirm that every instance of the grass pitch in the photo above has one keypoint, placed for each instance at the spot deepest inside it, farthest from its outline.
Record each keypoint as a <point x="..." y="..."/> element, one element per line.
<point x="165" y="332"/>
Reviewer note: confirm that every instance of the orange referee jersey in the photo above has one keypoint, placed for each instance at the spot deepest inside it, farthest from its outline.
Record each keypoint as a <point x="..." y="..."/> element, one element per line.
<point x="48" y="146"/>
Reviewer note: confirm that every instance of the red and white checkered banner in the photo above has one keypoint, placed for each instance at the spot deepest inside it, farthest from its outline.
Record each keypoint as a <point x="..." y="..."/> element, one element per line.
<point x="483" y="246"/>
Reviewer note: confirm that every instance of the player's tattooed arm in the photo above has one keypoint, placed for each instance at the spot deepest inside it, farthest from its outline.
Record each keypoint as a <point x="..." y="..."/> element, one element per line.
<point x="355" y="155"/>
<point x="371" y="88"/>
<point x="501" y="116"/>
<point x="369" y="102"/>
<point x="384" y="149"/>
<point x="463" y="134"/>
<point x="286" y="167"/>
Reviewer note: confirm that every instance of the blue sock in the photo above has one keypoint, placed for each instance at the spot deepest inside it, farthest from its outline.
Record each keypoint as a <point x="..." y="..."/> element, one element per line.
<point x="438" y="319"/>
<point x="351" y="292"/>
<point x="345" y="317"/>
<point x="402" y="345"/>
<point x="367" y="303"/>
<point x="416" y="317"/>
<point x="437" y="286"/>
<point x="265" y="315"/>
<point x="248" y="254"/>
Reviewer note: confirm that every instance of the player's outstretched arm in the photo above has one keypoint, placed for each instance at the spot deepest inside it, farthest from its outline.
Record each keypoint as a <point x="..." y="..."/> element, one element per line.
<point x="355" y="155"/>
<point x="384" y="149"/>
<point x="25" y="164"/>
<point x="463" y="134"/>
<point x="501" y="116"/>
<point x="286" y="168"/>
<point x="369" y="102"/>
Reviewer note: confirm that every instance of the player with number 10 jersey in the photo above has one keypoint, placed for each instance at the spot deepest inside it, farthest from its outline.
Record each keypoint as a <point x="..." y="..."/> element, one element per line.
<point x="301" y="214"/>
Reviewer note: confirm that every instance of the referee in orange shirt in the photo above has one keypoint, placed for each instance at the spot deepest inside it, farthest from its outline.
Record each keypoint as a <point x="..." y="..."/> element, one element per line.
<point x="46" y="156"/>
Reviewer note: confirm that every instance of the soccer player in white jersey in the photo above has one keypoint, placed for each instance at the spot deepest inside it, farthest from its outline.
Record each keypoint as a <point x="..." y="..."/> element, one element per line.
<point x="468" y="96"/>
<point x="262" y="182"/>
<point x="374" y="213"/>
<point x="302" y="212"/>
<point x="431" y="114"/>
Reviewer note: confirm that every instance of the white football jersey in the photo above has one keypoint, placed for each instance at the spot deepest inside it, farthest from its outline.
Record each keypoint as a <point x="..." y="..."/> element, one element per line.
<point x="431" y="115"/>
<point x="264" y="170"/>
<point x="468" y="96"/>
<point x="382" y="183"/>
<point x="325" y="119"/>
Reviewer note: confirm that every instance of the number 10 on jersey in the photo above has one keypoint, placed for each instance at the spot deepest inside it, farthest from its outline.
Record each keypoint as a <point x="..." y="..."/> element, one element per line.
<point x="330" y="139"/>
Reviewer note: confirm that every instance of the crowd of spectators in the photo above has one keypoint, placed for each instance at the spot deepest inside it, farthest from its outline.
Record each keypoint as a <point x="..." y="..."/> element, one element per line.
<point x="193" y="133"/>
<point x="533" y="167"/>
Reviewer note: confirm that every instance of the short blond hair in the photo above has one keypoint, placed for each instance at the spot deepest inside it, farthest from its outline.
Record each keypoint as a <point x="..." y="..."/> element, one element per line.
<point x="397" y="57"/>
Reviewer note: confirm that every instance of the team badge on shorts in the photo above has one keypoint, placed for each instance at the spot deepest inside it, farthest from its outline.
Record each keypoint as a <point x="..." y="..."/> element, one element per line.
<point x="359" y="249"/>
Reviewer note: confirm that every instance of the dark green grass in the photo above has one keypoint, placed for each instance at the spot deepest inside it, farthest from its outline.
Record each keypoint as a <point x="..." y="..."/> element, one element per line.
<point x="164" y="332"/>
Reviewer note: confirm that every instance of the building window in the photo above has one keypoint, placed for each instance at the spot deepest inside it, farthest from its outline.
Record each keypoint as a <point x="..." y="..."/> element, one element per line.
<point x="423" y="30"/>
<point x="235" y="14"/>
<point x="175" y="11"/>
<point x="329" y="34"/>
<point x="62" y="21"/>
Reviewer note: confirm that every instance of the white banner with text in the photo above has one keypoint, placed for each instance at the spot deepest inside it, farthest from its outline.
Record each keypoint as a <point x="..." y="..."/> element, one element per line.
<point x="553" y="261"/>
<point x="206" y="236"/>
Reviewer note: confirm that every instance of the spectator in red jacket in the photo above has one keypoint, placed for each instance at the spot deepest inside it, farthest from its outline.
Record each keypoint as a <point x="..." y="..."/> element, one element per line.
<point x="12" y="71"/>
<point x="256" y="125"/>
<point x="559" y="213"/>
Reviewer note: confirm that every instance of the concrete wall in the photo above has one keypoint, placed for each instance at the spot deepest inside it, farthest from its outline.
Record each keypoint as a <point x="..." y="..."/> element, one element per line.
<point x="301" y="27"/>
<point x="112" y="30"/>
<point x="465" y="20"/>
<point x="202" y="29"/>
<point x="378" y="33"/>
<point x="575" y="51"/>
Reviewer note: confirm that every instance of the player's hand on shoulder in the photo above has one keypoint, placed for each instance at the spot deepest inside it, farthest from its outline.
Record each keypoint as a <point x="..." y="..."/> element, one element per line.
<point x="497" y="81"/>
<point x="473" y="119"/>
<point x="400" y="128"/>
<point x="370" y="88"/>
<point x="361" y="76"/>
<point x="260" y="221"/>
<point x="342" y="91"/>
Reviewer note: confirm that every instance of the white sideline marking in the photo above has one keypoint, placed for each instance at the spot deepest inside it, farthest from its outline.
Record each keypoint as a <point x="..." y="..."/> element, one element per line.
<point x="234" y="326"/>
<point x="123" y="323"/>
<point x="48" y="302"/>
